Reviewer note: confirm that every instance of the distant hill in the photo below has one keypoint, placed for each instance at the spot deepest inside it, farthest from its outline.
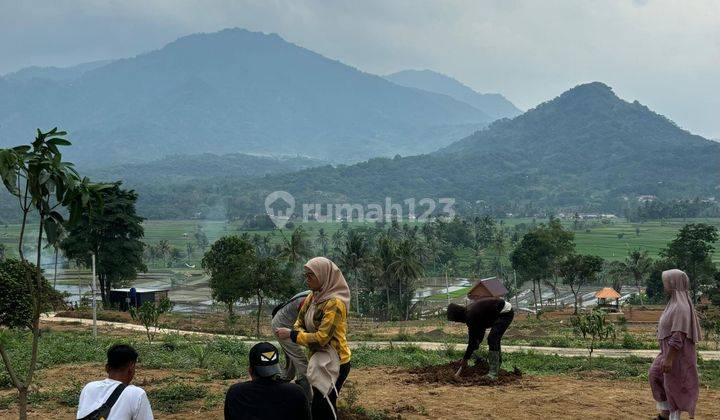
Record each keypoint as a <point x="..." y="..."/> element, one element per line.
<point x="233" y="91"/>
<point x="57" y="74"/>
<point x="492" y="104"/>
<point x="179" y="168"/>
<point x="585" y="148"/>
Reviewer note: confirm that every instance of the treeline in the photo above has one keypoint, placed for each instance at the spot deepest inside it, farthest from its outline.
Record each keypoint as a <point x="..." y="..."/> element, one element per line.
<point x="675" y="209"/>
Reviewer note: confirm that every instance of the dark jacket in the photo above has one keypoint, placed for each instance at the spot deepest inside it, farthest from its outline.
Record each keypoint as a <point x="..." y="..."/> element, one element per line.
<point x="266" y="399"/>
<point x="480" y="316"/>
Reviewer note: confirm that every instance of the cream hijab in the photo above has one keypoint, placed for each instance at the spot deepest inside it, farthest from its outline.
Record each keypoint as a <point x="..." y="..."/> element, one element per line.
<point x="679" y="314"/>
<point x="332" y="281"/>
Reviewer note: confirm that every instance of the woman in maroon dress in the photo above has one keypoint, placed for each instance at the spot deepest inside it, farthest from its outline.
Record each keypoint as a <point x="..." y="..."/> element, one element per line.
<point x="673" y="375"/>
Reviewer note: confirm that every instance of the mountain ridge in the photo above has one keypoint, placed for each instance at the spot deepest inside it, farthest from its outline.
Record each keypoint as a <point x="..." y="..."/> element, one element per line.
<point x="493" y="104"/>
<point x="233" y="91"/>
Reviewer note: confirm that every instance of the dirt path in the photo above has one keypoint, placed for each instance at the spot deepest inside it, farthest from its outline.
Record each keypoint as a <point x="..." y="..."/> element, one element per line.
<point x="561" y="351"/>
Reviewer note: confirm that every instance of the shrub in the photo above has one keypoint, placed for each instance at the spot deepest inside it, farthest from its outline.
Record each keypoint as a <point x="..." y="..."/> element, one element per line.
<point x="149" y="315"/>
<point x="172" y="398"/>
<point x="17" y="279"/>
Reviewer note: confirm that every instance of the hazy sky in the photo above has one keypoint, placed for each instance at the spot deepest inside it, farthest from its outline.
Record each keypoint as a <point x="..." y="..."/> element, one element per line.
<point x="664" y="53"/>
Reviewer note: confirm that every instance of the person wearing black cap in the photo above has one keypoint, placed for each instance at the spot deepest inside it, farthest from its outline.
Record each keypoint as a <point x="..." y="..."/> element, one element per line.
<point x="266" y="396"/>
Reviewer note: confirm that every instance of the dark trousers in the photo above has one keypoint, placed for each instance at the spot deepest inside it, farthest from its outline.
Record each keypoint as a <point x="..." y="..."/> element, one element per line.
<point x="498" y="329"/>
<point x="320" y="408"/>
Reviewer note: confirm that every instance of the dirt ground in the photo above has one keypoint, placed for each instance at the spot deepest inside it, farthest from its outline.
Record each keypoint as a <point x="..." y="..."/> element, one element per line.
<point x="401" y="395"/>
<point x="557" y="397"/>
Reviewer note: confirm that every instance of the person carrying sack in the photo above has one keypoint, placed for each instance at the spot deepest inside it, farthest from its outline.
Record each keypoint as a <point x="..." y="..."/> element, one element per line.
<point x="114" y="398"/>
<point x="322" y="327"/>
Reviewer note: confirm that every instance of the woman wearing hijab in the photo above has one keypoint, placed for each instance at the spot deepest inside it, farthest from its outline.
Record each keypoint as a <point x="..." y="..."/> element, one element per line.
<point x="673" y="375"/>
<point x="322" y="327"/>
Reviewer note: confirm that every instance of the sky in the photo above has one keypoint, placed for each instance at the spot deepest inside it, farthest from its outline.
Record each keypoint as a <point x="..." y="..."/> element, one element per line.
<point x="664" y="53"/>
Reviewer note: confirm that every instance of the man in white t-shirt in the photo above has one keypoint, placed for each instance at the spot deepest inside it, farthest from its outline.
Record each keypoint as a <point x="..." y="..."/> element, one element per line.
<point x="131" y="404"/>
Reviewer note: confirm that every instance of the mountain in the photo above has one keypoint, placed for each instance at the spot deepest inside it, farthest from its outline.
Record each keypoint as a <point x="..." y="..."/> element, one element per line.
<point x="492" y="104"/>
<point x="586" y="148"/>
<point x="58" y="74"/>
<point x="233" y="91"/>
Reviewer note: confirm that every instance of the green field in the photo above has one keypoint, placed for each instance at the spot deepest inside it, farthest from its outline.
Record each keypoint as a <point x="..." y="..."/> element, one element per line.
<point x="602" y="239"/>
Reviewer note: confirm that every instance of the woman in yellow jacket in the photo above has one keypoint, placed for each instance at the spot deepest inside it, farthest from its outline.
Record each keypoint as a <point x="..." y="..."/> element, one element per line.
<point x="322" y="327"/>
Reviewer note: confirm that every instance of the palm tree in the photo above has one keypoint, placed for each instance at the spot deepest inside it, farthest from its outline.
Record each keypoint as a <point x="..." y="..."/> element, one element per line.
<point x="323" y="240"/>
<point x="337" y="240"/>
<point x="638" y="264"/>
<point x="406" y="268"/>
<point x="478" y="253"/>
<point x="351" y="259"/>
<point x="298" y="247"/>
<point x="163" y="250"/>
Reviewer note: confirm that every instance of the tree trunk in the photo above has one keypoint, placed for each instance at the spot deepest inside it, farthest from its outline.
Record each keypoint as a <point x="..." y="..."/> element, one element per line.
<point x="231" y="314"/>
<point x="576" y="299"/>
<point x="537" y="312"/>
<point x="55" y="275"/>
<point x="22" y="403"/>
<point x="259" y="311"/>
<point x="357" y="293"/>
<point x="637" y="284"/>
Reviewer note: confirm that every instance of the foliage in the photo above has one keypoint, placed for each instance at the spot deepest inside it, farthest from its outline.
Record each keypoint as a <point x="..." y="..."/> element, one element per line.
<point x="226" y="262"/>
<point x="44" y="186"/>
<point x="593" y="326"/>
<point x="172" y="398"/>
<point x="578" y="270"/>
<point x="149" y="315"/>
<point x="637" y="265"/>
<point x="691" y="252"/>
<point x="112" y="231"/>
<point x="16" y="294"/>
<point x="538" y="254"/>
<point x="237" y="272"/>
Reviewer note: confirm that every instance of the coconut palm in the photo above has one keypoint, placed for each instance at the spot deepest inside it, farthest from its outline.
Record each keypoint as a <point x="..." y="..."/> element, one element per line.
<point x="354" y="251"/>
<point x="406" y="268"/>
<point x="323" y="240"/>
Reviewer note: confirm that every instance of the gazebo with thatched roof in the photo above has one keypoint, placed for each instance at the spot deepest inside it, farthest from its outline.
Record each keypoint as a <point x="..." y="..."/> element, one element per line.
<point x="605" y="298"/>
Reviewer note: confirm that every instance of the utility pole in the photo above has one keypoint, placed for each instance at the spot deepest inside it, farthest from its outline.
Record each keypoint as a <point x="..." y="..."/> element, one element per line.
<point x="94" y="304"/>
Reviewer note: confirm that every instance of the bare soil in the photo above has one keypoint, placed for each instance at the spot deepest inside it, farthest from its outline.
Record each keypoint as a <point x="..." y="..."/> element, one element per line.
<point x="472" y="376"/>
<point x="398" y="394"/>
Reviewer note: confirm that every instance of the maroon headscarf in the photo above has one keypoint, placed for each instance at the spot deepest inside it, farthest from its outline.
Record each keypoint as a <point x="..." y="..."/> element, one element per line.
<point x="679" y="314"/>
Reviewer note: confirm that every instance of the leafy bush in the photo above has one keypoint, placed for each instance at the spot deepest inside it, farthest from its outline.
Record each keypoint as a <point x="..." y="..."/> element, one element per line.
<point x="172" y="398"/>
<point x="17" y="280"/>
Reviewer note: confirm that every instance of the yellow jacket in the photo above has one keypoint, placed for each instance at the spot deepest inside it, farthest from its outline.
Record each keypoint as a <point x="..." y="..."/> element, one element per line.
<point x="330" y="322"/>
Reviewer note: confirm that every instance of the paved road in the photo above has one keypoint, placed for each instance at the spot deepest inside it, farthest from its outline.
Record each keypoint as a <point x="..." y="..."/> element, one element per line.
<point x="560" y="351"/>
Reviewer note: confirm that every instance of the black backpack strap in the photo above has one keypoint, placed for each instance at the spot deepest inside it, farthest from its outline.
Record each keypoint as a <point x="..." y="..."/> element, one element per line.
<point x="104" y="410"/>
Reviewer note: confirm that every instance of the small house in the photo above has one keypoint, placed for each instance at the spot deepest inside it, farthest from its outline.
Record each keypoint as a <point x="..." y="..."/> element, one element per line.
<point x="605" y="298"/>
<point x="124" y="298"/>
<point x="489" y="287"/>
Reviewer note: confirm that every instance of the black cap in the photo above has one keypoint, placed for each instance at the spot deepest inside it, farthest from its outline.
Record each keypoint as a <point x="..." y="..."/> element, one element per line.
<point x="264" y="359"/>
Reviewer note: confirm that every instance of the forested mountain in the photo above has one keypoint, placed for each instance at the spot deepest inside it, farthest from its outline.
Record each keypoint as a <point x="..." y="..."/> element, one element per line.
<point x="492" y="104"/>
<point x="586" y="148"/>
<point x="232" y="91"/>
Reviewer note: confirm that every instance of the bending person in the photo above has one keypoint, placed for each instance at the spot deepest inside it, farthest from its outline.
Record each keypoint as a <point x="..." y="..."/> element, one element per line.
<point x="284" y="316"/>
<point x="673" y="375"/>
<point x="322" y="327"/>
<point x="493" y="313"/>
